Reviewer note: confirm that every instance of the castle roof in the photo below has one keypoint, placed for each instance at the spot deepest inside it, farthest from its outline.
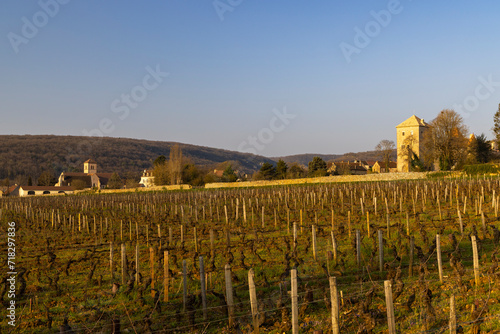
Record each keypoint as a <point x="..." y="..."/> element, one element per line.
<point x="90" y="161"/>
<point x="412" y="121"/>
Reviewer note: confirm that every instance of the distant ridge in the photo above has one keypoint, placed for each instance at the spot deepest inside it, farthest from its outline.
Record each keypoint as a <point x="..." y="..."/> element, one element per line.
<point x="303" y="159"/>
<point x="32" y="154"/>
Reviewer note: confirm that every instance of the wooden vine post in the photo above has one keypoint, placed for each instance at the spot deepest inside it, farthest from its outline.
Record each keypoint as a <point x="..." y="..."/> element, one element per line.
<point x="453" y="316"/>
<point x="334" y="296"/>
<point x="229" y="295"/>
<point x="380" y="250"/>
<point x="253" y="301"/>
<point x="166" y="276"/>
<point x="295" y="306"/>
<point x="440" y="264"/>
<point x="390" y="307"/>
<point x="203" y="288"/>
<point x="476" y="259"/>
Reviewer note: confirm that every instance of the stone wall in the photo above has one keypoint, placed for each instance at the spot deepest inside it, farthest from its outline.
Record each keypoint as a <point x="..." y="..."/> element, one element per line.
<point x="325" y="179"/>
<point x="156" y="188"/>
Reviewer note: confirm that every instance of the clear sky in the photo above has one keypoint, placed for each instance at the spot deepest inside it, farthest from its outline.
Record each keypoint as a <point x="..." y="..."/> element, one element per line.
<point x="273" y="77"/>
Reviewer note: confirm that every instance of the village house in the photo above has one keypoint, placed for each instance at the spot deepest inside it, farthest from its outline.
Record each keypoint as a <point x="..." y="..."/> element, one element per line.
<point x="9" y="191"/>
<point x="147" y="179"/>
<point x="90" y="178"/>
<point x="353" y="168"/>
<point x="380" y="167"/>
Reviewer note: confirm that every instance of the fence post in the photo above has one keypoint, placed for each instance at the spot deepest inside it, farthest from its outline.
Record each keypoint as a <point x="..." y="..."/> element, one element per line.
<point x="335" y="305"/>
<point x="229" y="294"/>
<point x="390" y="307"/>
<point x="295" y="309"/>
<point x="253" y="301"/>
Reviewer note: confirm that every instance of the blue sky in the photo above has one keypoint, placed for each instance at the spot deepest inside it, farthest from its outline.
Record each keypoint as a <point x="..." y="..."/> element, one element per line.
<point x="234" y="68"/>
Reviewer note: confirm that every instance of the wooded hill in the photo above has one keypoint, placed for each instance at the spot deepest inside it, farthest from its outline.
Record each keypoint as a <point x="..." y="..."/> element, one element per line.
<point x="303" y="159"/>
<point x="28" y="155"/>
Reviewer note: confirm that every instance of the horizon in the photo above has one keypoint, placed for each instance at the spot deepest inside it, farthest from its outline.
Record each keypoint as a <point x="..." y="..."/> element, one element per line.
<point x="275" y="79"/>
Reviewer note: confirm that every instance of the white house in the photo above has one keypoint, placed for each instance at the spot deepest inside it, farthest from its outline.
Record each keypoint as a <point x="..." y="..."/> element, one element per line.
<point x="25" y="191"/>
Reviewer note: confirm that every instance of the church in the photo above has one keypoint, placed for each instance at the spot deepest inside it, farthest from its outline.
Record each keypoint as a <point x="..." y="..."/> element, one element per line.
<point x="90" y="178"/>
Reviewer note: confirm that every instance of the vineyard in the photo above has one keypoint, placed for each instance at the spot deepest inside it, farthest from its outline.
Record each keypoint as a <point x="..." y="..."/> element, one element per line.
<point x="416" y="256"/>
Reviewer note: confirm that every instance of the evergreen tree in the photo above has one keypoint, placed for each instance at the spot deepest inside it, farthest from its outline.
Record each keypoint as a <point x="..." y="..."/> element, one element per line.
<point x="317" y="167"/>
<point x="482" y="149"/>
<point x="281" y="169"/>
<point x="267" y="172"/>
<point x="229" y="174"/>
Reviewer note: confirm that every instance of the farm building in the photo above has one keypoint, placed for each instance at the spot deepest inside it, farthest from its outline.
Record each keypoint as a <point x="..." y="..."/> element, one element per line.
<point x="25" y="191"/>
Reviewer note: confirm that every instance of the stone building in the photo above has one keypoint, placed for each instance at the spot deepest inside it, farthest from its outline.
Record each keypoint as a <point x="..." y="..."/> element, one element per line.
<point x="90" y="177"/>
<point x="147" y="179"/>
<point x="380" y="167"/>
<point x="409" y="138"/>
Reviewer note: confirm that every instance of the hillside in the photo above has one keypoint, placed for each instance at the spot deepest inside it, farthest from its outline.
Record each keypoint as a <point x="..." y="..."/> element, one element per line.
<point x="303" y="159"/>
<point x="30" y="155"/>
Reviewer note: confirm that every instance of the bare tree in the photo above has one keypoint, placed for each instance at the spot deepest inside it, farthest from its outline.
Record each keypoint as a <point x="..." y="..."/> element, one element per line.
<point x="446" y="141"/>
<point x="386" y="150"/>
<point x="175" y="165"/>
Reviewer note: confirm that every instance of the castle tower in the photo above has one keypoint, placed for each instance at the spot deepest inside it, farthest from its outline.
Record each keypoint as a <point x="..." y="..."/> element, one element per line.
<point x="90" y="167"/>
<point x="409" y="137"/>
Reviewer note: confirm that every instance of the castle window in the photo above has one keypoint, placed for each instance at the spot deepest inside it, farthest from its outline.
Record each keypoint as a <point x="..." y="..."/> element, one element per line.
<point x="403" y="133"/>
<point x="412" y="133"/>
